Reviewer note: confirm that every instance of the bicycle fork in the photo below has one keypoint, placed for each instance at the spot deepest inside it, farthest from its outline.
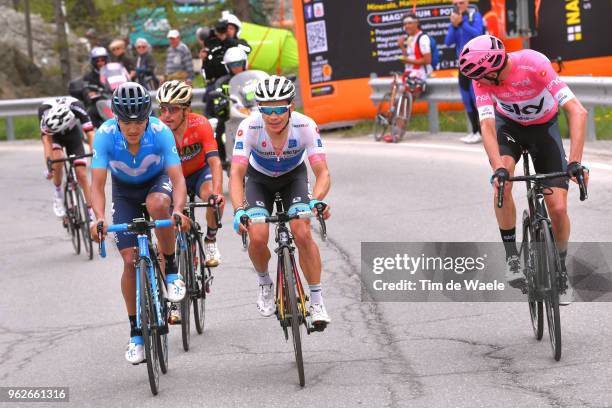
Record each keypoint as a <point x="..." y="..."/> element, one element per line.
<point x="143" y="253"/>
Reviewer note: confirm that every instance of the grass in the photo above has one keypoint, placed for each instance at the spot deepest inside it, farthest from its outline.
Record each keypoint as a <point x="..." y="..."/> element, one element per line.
<point x="27" y="127"/>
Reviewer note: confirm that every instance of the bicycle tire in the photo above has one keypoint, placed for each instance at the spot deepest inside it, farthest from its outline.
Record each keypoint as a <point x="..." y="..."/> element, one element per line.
<point x="295" y="314"/>
<point x="161" y="333"/>
<point x="200" y="281"/>
<point x="150" y="345"/>
<point x="85" y="223"/>
<point x="551" y="263"/>
<point x="381" y="121"/>
<point x="73" y="222"/>
<point x="186" y="271"/>
<point x="401" y="119"/>
<point x="530" y="262"/>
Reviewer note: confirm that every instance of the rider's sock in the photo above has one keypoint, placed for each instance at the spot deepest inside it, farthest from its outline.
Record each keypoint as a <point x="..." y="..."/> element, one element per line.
<point x="509" y="239"/>
<point x="211" y="234"/>
<point x="133" y="330"/>
<point x="315" y="293"/>
<point x="169" y="262"/>
<point x="563" y="257"/>
<point x="264" y="278"/>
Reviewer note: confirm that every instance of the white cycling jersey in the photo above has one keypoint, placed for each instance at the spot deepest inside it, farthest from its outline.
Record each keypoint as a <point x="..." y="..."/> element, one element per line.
<point x="253" y="145"/>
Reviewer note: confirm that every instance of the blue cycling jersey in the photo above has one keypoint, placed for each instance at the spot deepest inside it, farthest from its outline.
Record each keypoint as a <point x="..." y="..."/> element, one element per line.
<point x="157" y="152"/>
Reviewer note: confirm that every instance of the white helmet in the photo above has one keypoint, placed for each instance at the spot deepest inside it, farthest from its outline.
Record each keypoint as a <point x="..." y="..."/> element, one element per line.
<point x="174" y="93"/>
<point x="275" y="88"/>
<point x="232" y="19"/>
<point x="59" y="118"/>
<point x="234" y="55"/>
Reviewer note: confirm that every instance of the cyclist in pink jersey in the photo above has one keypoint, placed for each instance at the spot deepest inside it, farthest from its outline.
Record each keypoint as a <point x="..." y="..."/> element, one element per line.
<point x="517" y="96"/>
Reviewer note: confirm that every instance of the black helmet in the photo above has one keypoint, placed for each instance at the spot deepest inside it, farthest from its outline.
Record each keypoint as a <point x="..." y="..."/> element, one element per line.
<point x="131" y="102"/>
<point x="221" y="26"/>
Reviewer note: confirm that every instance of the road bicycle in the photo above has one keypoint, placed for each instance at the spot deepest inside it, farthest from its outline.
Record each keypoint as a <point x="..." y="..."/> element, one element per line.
<point x="191" y="260"/>
<point x="151" y="296"/>
<point x="541" y="262"/>
<point x="291" y="310"/>
<point x="394" y="111"/>
<point x="77" y="219"/>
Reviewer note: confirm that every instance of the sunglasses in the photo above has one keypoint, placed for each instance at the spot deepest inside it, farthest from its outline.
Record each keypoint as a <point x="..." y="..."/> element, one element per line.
<point x="169" y="109"/>
<point x="141" y="46"/>
<point x="269" y="110"/>
<point x="100" y="59"/>
<point x="237" y="64"/>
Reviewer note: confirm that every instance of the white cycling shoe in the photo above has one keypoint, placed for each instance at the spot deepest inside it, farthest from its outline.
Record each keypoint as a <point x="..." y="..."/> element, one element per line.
<point x="266" y="303"/>
<point x="319" y="313"/>
<point x="175" y="285"/>
<point x="213" y="256"/>
<point x="135" y="350"/>
<point x="58" y="205"/>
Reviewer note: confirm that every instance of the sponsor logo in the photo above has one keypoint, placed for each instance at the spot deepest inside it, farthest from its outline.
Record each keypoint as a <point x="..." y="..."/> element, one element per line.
<point x="526" y="109"/>
<point x="148" y="161"/>
<point x="572" y="20"/>
<point x="167" y="186"/>
<point x="190" y="151"/>
<point x="240" y="132"/>
<point x="300" y="125"/>
<point x="483" y="59"/>
<point x="308" y="12"/>
<point x="319" y="143"/>
<point x="292" y="143"/>
<point x="509" y="138"/>
<point x="250" y="127"/>
<point x="551" y="84"/>
<point x="318" y="10"/>
<point x="296" y="200"/>
<point x="260" y="203"/>
<point x="264" y="144"/>
<point x="238" y="146"/>
<point x="483" y="98"/>
<point x="158" y="127"/>
<point x="524" y="82"/>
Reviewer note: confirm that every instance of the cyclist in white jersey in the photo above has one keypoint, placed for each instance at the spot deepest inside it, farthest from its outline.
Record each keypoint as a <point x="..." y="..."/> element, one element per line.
<point x="269" y="150"/>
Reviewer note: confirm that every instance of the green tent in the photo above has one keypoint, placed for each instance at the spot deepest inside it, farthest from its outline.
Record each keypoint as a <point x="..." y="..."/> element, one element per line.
<point x="272" y="48"/>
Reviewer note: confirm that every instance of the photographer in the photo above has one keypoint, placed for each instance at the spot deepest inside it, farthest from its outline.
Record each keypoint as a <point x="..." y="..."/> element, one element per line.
<point x="465" y="24"/>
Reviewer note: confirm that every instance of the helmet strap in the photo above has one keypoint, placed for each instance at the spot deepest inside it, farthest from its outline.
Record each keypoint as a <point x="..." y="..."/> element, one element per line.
<point x="496" y="80"/>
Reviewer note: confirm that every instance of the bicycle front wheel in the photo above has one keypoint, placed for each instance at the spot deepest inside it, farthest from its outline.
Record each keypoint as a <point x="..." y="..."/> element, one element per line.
<point x="200" y="283"/>
<point x="186" y="271"/>
<point x="551" y="265"/>
<point x="531" y="266"/>
<point x="85" y="222"/>
<point x="381" y="120"/>
<point x="294" y="312"/>
<point x="147" y="317"/>
<point x="72" y="212"/>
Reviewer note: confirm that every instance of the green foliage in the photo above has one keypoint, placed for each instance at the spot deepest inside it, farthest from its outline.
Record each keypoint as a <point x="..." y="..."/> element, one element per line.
<point x="26" y="127"/>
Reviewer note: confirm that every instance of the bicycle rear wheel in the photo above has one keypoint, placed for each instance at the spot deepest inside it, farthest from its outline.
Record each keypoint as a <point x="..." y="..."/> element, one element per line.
<point x="530" y="262"/>
<point x="72" y="211"/>
<point x="403" y="113"/>
<point x="147" y="316"/>
<point x="84" y="223"/>
<point x="186" y="271"/>
<point x="200" y="282"/>
<point x="551" y="265"/>
<point x="294" y="314"/>
<point x="381" y="120"/>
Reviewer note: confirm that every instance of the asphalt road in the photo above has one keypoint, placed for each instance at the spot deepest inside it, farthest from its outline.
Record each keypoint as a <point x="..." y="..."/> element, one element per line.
<point x="63" y="319"/>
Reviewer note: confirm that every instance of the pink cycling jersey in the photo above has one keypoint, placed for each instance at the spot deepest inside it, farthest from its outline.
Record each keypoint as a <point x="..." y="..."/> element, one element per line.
<point x="530" y="95"/>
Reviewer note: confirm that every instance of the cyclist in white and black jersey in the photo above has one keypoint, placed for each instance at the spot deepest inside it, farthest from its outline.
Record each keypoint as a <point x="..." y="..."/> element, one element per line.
<point x="59" y="118"/>
<point x="270" y="150"/>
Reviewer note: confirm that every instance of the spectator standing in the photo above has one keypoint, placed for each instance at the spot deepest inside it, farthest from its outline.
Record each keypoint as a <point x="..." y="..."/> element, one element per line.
<point x="465" y="24"/>
<point x="179" y="64"/>
<point x="145" y="65"/>
<point x="118" y="51"/>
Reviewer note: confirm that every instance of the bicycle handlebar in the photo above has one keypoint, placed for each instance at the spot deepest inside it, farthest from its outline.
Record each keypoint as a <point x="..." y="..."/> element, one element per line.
<point x="212" y="203"/>
<point x="139" y="225"/>
<point x="70" y="158"/>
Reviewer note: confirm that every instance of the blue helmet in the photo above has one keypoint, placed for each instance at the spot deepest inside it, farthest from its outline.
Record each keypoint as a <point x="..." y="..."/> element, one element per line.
<point x="131" y="102"/>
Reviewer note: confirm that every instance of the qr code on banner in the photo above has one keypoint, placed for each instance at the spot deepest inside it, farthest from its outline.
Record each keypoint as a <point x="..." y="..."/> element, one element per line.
<point x="316" y="37"/>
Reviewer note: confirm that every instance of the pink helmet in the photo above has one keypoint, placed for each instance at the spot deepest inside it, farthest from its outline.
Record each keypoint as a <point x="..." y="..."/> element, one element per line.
<point x="481" y="56"/>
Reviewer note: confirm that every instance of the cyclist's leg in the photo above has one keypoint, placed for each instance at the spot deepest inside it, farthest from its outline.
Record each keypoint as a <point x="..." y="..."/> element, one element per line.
<point x="510" y="148"/>
<point x="158" y="201"/>
<point x="57" y="152"/>
<point x="548" y="157"/>
<point x="74" y="145"/>
<point x="201" y="182"/>
<point x="259" y="202"/>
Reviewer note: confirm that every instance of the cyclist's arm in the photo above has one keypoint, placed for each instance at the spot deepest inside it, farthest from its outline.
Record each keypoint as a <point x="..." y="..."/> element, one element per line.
<point x="90" y="138"/>
<point x="576" y="117"/>
<point x="47" y="145"/>
<point x="212" y="158"/>
<point x="236" y="184"/>
<point x="98" y="196"/>
<point x="489" y="141"/>
<point x="323" y="179"/>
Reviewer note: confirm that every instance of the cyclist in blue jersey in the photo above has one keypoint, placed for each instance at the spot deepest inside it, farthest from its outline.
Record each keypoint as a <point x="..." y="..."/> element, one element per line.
<point x="145" y="167"/>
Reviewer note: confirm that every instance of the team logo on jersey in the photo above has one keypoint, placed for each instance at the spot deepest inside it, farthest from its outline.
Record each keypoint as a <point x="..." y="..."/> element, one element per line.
<point x="292" y="143"/>
<point x="319" y="143"/>
<point x="524" y="109"/>
<point x="260" y="203"/>
<point x="148" y="161"/>
<point x="482" y="98"/>
<point x="106" y="128"/>
<point x="296" y="200"/>
<point x="264" y="144"/>
<point x="238" y="146"/>
<point x="190" y="151"/>
<point x="157" y="127"/>
<point x="240" y="132"/>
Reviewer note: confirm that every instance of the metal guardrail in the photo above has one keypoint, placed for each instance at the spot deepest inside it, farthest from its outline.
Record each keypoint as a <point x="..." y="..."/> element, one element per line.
<point x="591" y="91"/>
<point x="11" y="108"/>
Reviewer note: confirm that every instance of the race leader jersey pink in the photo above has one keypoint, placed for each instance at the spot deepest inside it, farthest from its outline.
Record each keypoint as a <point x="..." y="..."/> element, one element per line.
<point x="253" y="145"/>
<point x="530" y="95"/>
